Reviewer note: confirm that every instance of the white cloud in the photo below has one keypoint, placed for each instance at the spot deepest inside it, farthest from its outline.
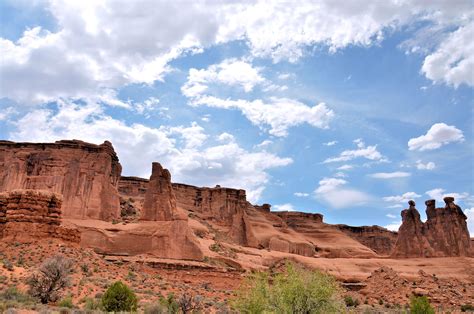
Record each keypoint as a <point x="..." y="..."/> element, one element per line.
<point x="438" y="135"/>
<point x="345" y="167"/>
<point x="438" y="194"/>
<point x="226" y="137"/>
<point x="453" y="60"/>
<point x="390" y="175"/>
<point x="395" y="206"/>
<point x="264" y="143"/>
<point x="333" y="192"/>
<point x="284" y="76"/>
<point x="401" y="198"/>
<point x="362" y="151"/>
<point x="391" y="216"/>
<point x="394" y="226"/>
<point x="331" y="143"/>
<point x="181" y="149"/>
<point x="469" y="212"/>
<point x="109" y="44"/>
<point x="278" y="113"/>
<point x="428" y="166"/>
<point x="301" y="194"/>
<point x="283" y="207"/>
<point x="230" y="72"/>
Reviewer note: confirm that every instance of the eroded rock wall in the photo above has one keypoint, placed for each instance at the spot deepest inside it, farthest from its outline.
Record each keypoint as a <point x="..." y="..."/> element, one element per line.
<point x="379" y="239"/>
<point x="443" y="234"/>
<point x="33" y="213"/>
<point x="86" y="175"/>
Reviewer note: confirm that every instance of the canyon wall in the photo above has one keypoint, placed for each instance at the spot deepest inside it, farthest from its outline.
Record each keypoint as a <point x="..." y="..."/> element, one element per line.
<point x="444" y="233"/>
<point x="86" y="175"/>
<point x="379" y="239"/>
<point x="26" y="214"/>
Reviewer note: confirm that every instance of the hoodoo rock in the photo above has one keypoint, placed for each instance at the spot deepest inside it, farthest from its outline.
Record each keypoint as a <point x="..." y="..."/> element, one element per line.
<point x="86" y="175"/>
<point x="444" y="233"/>
<point x="160" y="203"/>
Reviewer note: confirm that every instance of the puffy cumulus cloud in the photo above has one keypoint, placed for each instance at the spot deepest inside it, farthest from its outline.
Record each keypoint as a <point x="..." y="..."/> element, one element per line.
<point x="279" y="114"/>
<point x="109" y="44"/>
<point x="405" y="197"/>
<point x="230" y="72"/>
<point x="390" y="175"/>
<point x="438" y="135"/>
<point x="334" y="192"/>
<point x="362" y="151"/>
<point x="394" y="226"/>
<point x="452" y="61"/>
<point x="182" y="149"/>
<point x="287" y="207"/>
<point x="470" y="220"/>
<point x="427" y="166"/>
<point x="438" y="194"/>
<point x="345" y="167"/>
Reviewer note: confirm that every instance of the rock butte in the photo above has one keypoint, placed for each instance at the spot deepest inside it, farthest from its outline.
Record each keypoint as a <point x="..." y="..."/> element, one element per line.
<point x="74" y="191"/>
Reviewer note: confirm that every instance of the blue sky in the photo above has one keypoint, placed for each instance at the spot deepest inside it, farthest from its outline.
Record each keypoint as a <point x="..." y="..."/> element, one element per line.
<point x="348" y="109"/>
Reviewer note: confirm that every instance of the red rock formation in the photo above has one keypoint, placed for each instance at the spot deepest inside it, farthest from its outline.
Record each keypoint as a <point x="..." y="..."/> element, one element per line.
<point x="379" y="239"/>
<point x="444" y="233"/>
<point x="33" y="213"/>
<point x="217" y="204"/>
<point x="86" y="175"/>
<point x="160" y="203"/>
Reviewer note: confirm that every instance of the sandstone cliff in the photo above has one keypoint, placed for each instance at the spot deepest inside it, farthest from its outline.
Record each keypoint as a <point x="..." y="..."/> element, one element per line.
<point x="444" y="233"/>
<point x="379" y="239"/>
<point x="33" y="213"/>
<point x="86" y="175"/>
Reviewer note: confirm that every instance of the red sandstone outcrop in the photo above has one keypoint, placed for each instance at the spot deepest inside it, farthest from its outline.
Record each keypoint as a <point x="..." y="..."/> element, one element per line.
<point x="86" y="175"/>
<point x="379" y="239"/>
<point x="160" y="202"/>
<point x="33" y="213"/>
<point x="444" y="233"/>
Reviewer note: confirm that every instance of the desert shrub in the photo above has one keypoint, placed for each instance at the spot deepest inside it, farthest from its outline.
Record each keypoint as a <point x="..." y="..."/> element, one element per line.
<point x="170" y="303"/>
<point x="66" y="302"/>
<point x="467" y="308"/>
<point x="295" y="290"/>
<point x="13" y="294"/>
<point x="7" y="264"/>
<point x="92" y="304"/>
<point x="119" y="297"/>
<point x="350" y="301"/>
<point x="420" y="305"/>
<point x="188" y="303"/>
<point x="50" y="279"/>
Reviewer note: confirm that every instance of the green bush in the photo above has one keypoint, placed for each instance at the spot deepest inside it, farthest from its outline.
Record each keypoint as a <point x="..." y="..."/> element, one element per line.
<point x="170" y="304"/>
<point x="350" y="301"/>
<point x="66" y="302"/>
<point x="119" y="297"/>
<point x="467" y="308"/>
<point x="420" y="305"/>
<point x="295" y="290"/>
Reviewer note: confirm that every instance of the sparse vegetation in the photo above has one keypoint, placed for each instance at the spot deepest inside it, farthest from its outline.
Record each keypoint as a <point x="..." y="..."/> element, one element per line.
<point x="188" y="303"/>
<point x="119" y="297"/>
<point x="170" y="303"/>
<point x="66" y="302"/>
<point x="295" y="290"/>
<point x="50" y="279"/>
<point x="467" y="308"/>
<point x="350" y="301"/>
<point x="420" y="305"/>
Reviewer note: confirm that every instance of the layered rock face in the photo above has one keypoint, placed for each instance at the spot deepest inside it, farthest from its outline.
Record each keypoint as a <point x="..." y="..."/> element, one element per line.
<point x="33" y="213"/>
<point x="86" y="175"/>
<point x="379" y="239"/>
<point x="444" y="233"/>
<point x="215" y="204"/>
